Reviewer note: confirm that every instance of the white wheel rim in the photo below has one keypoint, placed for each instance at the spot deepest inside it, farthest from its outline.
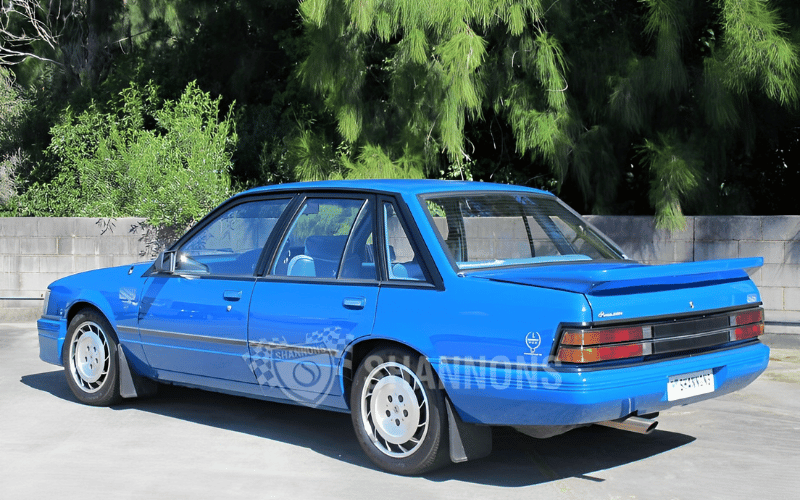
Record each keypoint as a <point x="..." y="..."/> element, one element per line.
<point x="89" y="357"/>
<point x="394" y="410"/>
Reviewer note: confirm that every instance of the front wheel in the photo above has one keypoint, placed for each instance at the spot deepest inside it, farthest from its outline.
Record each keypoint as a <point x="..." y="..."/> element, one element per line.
<point x="398" y="412"/>
<point x="90" y="360"/>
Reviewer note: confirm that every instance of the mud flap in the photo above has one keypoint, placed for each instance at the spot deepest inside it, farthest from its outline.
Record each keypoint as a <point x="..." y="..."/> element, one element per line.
<point x="467" y="441"/>
<point x="133" y="385"/>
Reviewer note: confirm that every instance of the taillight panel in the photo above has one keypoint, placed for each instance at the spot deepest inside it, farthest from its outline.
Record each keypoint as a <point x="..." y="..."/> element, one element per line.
<point x="593" y="345"/>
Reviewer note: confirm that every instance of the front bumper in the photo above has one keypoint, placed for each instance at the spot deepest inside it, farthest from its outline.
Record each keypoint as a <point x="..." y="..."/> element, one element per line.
<point x="52" y="333"/>
<point x="512" y="394"/>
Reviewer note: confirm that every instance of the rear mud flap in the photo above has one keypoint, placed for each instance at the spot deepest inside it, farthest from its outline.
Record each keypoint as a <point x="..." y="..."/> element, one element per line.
<point x="467" y="441"/>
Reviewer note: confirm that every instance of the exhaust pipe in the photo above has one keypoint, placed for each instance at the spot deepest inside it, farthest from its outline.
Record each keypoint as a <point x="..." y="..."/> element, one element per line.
<point x="638" y="425"/>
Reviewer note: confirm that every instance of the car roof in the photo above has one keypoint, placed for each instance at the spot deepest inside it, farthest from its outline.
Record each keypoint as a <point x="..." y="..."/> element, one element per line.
<point x="402" y="186"/>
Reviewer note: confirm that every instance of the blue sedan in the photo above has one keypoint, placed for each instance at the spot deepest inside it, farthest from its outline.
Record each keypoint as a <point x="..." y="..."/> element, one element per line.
<point x="429" y="310"/>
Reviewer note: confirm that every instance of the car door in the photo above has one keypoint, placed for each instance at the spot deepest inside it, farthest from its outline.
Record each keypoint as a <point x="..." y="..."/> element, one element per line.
<point x="319" y="293"/>
<point x="193" y="321"/>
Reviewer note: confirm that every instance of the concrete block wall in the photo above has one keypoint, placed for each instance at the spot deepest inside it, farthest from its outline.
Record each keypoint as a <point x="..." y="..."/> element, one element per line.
<point x="36" y="251"/>
<point x="775" y="238"/>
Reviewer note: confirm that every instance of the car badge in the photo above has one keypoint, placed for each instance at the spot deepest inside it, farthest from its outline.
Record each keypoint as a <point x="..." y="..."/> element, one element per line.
<point x="604" y="314"/>
<point x="533" y="340"/>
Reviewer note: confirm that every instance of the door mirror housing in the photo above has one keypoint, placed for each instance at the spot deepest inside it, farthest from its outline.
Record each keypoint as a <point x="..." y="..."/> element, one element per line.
<point x="165" y="262"/>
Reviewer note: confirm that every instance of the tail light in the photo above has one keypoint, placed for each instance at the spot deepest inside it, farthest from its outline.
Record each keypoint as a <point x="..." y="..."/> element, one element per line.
<point x="592" y="345"/>
<point x="748" y="325"/>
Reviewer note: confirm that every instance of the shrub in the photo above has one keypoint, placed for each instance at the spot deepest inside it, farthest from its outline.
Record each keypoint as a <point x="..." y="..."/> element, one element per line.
<point x="167" y="162"/>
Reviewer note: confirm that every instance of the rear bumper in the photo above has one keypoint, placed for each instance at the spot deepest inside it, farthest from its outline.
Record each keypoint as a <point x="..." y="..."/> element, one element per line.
<point x="510" y="394"/>
<point x="51" y="339"/>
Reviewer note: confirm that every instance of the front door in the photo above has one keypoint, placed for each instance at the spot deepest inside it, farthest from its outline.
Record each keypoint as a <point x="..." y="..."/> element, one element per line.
<point x="193" y="322"/>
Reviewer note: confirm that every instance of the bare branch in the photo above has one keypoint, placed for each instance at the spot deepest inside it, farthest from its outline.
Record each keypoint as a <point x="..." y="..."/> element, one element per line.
<point x="24" y="23"/>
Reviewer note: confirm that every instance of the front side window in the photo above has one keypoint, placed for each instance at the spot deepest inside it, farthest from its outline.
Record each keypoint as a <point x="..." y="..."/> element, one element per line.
<point x="328" y="239"/>
<point x="485" y="230"/>
<point x="232" y="243"/>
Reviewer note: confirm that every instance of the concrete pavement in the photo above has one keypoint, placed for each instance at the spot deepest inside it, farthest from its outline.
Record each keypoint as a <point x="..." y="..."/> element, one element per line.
<point x="187" y="443"/>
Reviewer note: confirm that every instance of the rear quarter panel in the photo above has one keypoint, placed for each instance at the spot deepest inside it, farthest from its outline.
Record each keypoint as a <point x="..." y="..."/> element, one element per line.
<point x="477" y="319"/>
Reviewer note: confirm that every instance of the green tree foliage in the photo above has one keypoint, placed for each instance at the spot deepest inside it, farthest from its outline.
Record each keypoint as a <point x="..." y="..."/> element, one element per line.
<point x="581" y="89"/>
<point x="620" y="106"/>
<point x="166" y="161"/>
<point x="13" y="107"/>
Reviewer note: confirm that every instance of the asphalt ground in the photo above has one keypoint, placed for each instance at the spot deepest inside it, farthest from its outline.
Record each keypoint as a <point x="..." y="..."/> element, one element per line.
<point x="185" y="443"/>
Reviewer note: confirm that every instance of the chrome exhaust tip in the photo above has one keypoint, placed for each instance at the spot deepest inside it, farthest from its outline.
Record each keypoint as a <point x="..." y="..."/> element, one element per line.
<point x="638" y="425"/>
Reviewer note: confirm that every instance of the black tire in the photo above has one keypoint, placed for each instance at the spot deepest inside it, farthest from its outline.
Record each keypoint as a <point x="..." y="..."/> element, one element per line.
<point x="411" y="437"/>
<point x="91" y="364"/>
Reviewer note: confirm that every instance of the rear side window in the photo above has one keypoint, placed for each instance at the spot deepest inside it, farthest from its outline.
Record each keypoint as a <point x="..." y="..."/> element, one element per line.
<point x="402" y="261"/>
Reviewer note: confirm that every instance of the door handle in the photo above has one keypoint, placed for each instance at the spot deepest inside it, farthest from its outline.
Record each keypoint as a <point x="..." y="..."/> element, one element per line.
<point x="354" y="302"/>
<point x="232" y="295"/>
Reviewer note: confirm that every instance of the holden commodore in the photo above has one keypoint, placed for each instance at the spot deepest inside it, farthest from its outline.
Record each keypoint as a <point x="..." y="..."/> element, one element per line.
<point x="429" y="310"/>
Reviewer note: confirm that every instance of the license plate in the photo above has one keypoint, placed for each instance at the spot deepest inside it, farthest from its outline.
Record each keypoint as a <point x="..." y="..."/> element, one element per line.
<point x="690" y="384"/>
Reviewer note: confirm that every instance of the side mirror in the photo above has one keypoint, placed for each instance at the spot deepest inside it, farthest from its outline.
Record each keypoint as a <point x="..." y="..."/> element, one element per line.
<point x="165" y="262"/>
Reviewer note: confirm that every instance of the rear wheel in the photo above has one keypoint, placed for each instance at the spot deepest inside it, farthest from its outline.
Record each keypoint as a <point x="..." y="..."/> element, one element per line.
<point x="398" y="413"/>
<point x="90" y="359"/>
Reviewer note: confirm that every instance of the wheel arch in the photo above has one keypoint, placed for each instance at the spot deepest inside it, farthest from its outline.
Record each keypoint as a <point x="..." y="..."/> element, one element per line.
<point x="356" y="352"/>
<point x="83" y="305"/>
<point x="94" y="301"/>
<point x="76" y="308"/>
<point x="132" y="384"/>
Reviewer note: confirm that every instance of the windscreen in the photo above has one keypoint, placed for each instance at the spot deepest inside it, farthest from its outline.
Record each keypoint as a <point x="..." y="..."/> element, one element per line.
<point x="484" y="230"/>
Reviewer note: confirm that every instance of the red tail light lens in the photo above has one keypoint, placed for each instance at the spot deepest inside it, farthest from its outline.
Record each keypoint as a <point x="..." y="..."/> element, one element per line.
<point x="749" y="331"/>
<point x="755" y="316"/>
<point x="749" y="324"/>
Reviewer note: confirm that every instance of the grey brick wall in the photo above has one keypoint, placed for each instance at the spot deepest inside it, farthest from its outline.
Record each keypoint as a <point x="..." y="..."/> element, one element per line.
<point x="776" y="239"/>
<point x="36" y="251"/>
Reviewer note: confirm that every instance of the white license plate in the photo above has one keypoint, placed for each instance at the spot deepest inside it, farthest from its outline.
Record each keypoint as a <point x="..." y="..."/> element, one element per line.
<point x="690" y="384"/>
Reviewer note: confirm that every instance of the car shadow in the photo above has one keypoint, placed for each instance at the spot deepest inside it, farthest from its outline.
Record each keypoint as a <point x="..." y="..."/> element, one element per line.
<point x="517" y="460"/>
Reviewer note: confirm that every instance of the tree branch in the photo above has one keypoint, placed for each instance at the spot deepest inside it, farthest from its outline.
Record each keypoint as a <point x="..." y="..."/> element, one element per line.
<point x="23" y="23"/>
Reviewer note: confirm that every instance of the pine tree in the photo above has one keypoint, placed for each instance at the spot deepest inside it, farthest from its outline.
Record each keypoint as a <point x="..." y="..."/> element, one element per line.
<point x="609" y="97"/>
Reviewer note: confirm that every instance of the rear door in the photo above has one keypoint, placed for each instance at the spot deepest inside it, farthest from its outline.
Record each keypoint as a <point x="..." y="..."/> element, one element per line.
<point x="317" y="295"/>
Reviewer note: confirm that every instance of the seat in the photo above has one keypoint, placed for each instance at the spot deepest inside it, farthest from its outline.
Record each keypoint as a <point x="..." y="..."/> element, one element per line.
<point x="301" y="265"/>
<point x="326" y="252"/>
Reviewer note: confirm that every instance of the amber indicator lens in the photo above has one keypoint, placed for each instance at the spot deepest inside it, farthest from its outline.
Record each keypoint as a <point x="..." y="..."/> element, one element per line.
<point x="608" y="336"/>
<point x="595" y="354"/>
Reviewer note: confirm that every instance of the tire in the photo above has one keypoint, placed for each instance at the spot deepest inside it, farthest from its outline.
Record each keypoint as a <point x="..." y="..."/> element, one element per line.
<point x="410" y="437"/>
<point x="91" y="364"/>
